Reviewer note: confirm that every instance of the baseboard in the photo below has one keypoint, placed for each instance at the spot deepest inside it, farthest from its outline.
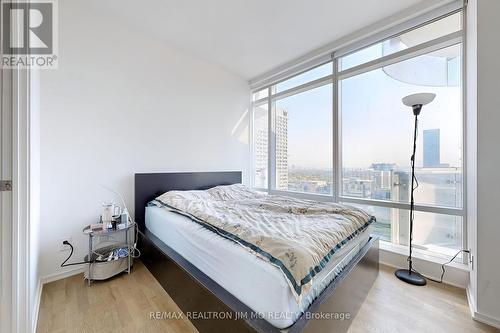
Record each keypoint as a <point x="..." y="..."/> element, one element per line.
<point x="471" y="301"/>
<point x="61" y="275"/>
<point x="486" y="319"/>
<point x="478" y="316"/>
<point x="36" y="306"/>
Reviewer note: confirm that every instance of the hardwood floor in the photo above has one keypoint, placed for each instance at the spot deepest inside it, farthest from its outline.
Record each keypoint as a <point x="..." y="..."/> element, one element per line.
<point x="124" y="304"/>
<point x="394" y="306"/>
<point x="121" y="304"/>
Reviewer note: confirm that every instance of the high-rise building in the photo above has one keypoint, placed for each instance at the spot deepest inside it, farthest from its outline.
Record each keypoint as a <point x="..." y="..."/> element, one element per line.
<point x="281" y="130"/>
<point x="431" y="148"/>
<point x="260" y="146"/>
<point x="261" y="138"/>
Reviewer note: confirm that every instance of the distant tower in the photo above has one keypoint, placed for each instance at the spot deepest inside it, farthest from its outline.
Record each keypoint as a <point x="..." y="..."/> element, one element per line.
<point x="431" y="148"/>
<point x="281" y="130"/>
<point x="260" y="142"/>
<point x="261" y="147"/>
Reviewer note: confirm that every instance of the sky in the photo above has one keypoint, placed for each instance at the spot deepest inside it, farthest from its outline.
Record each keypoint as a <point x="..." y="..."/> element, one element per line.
<point x="376" y="126"/>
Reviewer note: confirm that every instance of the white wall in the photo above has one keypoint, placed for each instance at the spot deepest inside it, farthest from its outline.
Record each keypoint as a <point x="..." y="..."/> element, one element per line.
<point x="484" y="222"/>
<point x="122" y="103"/>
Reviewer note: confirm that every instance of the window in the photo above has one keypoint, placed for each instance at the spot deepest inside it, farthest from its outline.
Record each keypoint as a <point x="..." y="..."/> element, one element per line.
<point x="340" y="132"/>
<point x="301" y="136"/>
<point x="376" y="140"/>
<point x="374" y="118"/>
<point x="303" y="130"/>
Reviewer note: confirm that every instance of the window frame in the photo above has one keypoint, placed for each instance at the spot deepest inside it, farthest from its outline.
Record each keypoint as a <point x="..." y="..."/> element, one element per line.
<point x="451" y="39"/>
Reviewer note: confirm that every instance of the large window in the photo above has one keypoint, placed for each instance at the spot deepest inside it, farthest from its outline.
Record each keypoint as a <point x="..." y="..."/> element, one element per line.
<point x="373" y="117"/>
<point x="303" y="130"/>
<point x="300" y="141"/>
<point x="340" y="132"/>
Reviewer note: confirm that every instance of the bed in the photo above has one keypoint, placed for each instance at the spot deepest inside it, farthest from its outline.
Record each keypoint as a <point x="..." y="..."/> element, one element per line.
<point x="192" y="264"/>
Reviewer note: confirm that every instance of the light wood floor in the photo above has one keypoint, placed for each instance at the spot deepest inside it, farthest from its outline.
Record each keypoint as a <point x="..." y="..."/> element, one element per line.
<point x="124" y="303"/>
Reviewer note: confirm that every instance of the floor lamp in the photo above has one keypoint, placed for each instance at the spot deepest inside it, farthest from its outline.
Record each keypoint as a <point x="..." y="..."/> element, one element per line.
<point x="415" y="101"/>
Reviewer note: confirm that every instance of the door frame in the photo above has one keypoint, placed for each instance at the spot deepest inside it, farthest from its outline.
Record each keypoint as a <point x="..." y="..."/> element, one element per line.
<point x="5" y="200"/>
<point x="15" y="310"/>
<point x="15" y="217"/>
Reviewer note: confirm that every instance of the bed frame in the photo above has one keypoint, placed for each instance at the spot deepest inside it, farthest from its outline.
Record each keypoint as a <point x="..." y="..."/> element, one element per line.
<point x="196" y="293"/>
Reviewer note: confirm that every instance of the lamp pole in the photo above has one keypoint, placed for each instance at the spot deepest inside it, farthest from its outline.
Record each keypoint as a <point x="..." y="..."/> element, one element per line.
<point x="416" y="102"/>
<point x="412" y="200"/>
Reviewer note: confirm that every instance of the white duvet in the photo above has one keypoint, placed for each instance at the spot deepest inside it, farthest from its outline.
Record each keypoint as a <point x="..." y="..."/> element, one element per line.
<point x="298" y="236"/>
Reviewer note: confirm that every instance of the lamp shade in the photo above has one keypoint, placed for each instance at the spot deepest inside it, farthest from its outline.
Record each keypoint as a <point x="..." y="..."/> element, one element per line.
<point x="418" y="99"/>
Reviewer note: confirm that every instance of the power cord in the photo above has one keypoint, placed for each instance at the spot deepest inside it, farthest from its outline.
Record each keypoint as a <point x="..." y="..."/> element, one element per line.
<point x="132" y="253"/>
<point x="442" y="268"/>
<point x="134" y="248"/>
<point x="64" y="264"/>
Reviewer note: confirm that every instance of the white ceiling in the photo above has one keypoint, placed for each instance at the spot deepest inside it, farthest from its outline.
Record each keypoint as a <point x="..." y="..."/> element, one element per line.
<point x="251" y="37"/>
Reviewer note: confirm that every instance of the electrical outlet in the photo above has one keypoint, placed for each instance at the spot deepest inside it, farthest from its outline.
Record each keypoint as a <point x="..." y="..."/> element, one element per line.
<point x="64" y="247"/>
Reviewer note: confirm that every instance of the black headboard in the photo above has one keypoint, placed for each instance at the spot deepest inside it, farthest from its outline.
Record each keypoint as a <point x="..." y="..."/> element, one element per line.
<point x="150" y="185"/>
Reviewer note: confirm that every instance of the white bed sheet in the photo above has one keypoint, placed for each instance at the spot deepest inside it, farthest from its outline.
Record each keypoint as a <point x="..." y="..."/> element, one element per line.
<point x="258" y="284"/>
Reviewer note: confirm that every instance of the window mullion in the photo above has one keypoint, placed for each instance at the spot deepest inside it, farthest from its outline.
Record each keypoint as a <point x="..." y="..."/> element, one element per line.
<point x="271" y="142"/>
<point x="336" y="133"/>
<point x="465" y="241"/>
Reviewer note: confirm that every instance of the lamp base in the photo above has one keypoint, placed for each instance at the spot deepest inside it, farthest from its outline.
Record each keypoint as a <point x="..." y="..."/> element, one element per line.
<point x="410" y="277"/>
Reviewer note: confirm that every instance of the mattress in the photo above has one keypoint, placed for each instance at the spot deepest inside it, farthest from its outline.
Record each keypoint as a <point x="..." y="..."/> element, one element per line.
<point x="256" y="283"/>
